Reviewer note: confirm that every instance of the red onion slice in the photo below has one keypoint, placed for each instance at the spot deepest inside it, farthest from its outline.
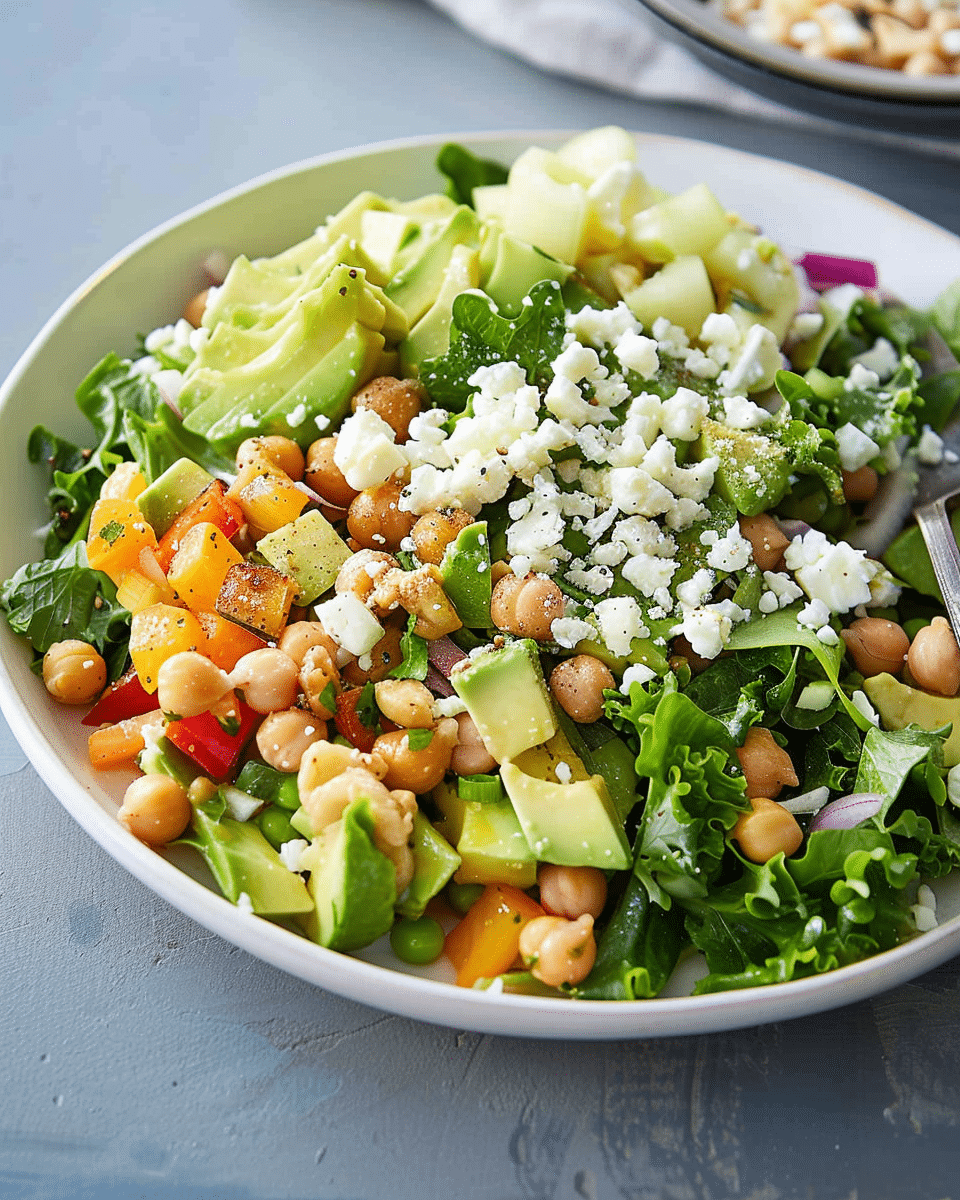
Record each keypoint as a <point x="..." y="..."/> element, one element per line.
<point x="444" y="655"/>
<point x="830" y="270"/>
<point x="848" y="811"/>
<point x="437" y="683"/>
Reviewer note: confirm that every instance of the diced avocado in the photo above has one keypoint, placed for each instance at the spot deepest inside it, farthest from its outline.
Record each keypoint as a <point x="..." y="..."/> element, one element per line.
<point x="430" y="337"/>
<point x="692" y="222"/>
<point x="573" y="824"/>
<point x="597" y="150"/>
<point x="353" y="885"/>
<point x="753" y="473"/>
<point x="505" y="694"/>
<point x="751" y="264"/>
<point x="465" y="571"/>
<point x="556" y="761"/>
<point x="434" y="862"/>
<point x="516" y="268"/>
<point x="160" y="756"/>
<point x="348" y="222"/>
<point x="900" y="705"/>
<point x="909" y="559"/>
<point x="244" y="863"/>
<point x="679" y="291"/>
<point x="416" y="286"/>
<point x="490" y="201"/>
<point x="489" y="840"/>
<point x="302" y="824"/>
<point x="546" y="212"/>
<point x="171" y="492"/>
<point x="309" y="551"/>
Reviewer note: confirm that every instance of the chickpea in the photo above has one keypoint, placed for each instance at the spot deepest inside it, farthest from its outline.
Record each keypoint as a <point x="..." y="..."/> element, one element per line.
<point x="417" y="770"/>
<point x="324" y="761"/>
<point x="188" y="684"/>
<point x="405" y="702"/>
<point x="318" y="678"/>
<point x="302" y="636"/>
<point x="934" y="658"/>
<point x="860" y="486"/>
<point x="435" y="530"/>
<point x="375" y="520"/>
<point x="125" y="482"/>
<point x="470" y="755"/>
<point x="578" y="684"/>
<point x="572" y="891"/>
<point x="498" y="570"/>
<point x="268" y="680"/>
<point x="74" y="672"/>
<point x="325" y="477"/>
<point x="155" y="809"/>
<point x="361" y="573"/>
<point x="397" y="401"/>
<point x="283" y="452"/>
<point x="422" y="594"/>
<point x="526" y="606"/>
<point x="385" y="655"/>
<point x="767" y="539"/>
<point x="766" y="766"/>
<point x="558" y="951"/>
<point x="201" y="790"/>
<point x="876" y="645"/>
<point x="195" y="307"/>
<point x="766" y="830"/>
<point x="284" y="738"/>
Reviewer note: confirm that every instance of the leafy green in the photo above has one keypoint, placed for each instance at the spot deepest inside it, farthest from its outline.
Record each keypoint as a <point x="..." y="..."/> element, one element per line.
<point x="158" y="443"/>
<point x="637" y="951"/>
<point x="946" y="315"/>
<point x="76" y="477"/>
<point x="465" y="171"/>
<point x="479" y="336"/>
<point x="57" y="599"/>
<point x="414" y="663"/>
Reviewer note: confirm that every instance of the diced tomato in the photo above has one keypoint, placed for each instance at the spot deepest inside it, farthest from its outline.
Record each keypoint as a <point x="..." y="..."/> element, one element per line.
<point x="212" y="505"/>
<point x="215" y="750"/>
<point x="122" y="699"/>
<point x="349" y="724"/>
<point x="486" y="942"/>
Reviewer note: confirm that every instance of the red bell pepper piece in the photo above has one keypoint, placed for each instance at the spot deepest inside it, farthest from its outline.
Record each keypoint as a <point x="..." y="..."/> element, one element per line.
<point x="348" y="721"/>
<point x="213" y="505"/>
<point x="215" y="750"/>
<point x="123" y="699"/>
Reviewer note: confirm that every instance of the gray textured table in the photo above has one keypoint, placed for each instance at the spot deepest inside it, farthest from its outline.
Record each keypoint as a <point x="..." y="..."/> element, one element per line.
<point x="143" y="1057"/>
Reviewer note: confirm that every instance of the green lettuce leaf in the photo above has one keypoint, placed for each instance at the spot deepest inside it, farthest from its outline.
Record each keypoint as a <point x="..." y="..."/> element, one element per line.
<point x="465" y="171"/>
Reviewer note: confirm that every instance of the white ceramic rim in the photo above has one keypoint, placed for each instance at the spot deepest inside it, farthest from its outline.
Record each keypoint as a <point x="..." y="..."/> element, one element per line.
<point x="703" y="23"/>
<point x="393" y="991"/>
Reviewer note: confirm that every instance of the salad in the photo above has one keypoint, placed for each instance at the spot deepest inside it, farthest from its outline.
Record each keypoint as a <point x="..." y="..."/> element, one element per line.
<point x="498" y="573"/>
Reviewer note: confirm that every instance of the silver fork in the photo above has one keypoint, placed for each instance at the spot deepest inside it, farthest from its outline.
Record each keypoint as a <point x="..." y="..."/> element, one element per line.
<point x="936" y="487"/>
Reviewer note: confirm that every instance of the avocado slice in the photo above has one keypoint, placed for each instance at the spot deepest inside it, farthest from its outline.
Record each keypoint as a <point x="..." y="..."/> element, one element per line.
<point x="489" y="840"/>
<point x="753" y="473"/>
<point x="416" y="286"/>
<point x="430" y="337"/>
<point x="505" y="693"/>
<point x="243" y="862"/>
<point x="353" y="886"/>
<point x="573" y="824"/>
<point x="516" y="268"/>
<point x="691" y="222"/>
<point x="900" y="705"/>
<point x="434" y="862"/>
<point x="309" y="551"/>
<point x="680" y="291"/>
<point x="171" y="492"/>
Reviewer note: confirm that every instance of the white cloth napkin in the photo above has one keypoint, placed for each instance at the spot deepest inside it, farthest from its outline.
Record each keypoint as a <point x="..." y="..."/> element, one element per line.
<point x="611" y="44"/>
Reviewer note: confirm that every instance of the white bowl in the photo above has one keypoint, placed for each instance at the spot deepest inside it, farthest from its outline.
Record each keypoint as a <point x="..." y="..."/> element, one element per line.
<point x="148" y="284"/>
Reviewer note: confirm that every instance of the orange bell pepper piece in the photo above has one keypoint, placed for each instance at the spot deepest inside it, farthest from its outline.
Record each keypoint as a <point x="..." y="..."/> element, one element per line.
<point x="117" y="745"/>
<point x="486" y="942"/>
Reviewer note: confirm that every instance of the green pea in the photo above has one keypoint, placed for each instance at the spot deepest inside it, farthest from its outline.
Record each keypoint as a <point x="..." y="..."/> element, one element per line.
<point x="463" y="896"/>
<point x="913" y="627"/>
<point x="288" y="796"/>
<point x="417" y="941"/>
<point x="275" y="826"/>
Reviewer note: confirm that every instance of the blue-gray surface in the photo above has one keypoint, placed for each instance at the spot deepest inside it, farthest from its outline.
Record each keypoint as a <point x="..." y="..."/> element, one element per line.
<point x="144" y="1057"/>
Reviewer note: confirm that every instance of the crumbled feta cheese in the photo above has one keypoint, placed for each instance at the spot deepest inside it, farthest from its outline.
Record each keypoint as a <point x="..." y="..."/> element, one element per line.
<point x="837" y="574"/>
<point x="882" y="358"/>
<point x="930" y="447"/>
<point x="637" y="353"/>
<point x="843" y="298"/>
<point x="741" y="413"/>
<point x="563" y="772"/>
<point x="568" y="632"/>
<point x="861" y="378"/>
<point x="447" y="706"/>
<point x="290" y="853"/>
<point x="602" y="326"/>
<point x="245" y="904"/>
<point x="637" y="673"/>
<point x="805" y="326"/>
<point x="731" y="552"/>
<point x="756" y="364"/>
<point x="856" y="449"/>
<point x="621" y="622"/>
<point x="782" y="588"/>
<point x="682" y="414"/>
<point x="366" y="452"/>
